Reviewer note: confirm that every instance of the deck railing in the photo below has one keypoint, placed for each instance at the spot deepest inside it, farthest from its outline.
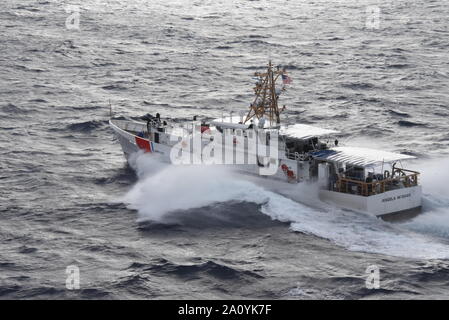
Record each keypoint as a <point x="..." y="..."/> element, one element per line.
<point x="401" y="178"/>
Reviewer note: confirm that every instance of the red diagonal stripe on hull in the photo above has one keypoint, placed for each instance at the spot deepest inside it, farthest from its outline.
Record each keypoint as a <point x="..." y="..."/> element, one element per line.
<point x="143" y="144"/>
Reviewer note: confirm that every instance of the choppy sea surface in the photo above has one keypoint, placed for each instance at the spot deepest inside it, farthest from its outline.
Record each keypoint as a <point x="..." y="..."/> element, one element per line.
<point x="376" y="70"/>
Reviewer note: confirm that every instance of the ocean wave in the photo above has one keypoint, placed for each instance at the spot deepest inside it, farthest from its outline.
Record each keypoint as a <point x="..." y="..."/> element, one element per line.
<point x="358" y="86"/>
<point x="114" y="87"/>
<point x="11" y="108"/>
<point x="195" y="271"/>
<point x="398" y="66"/>
<point x="399" y="113"/>
<point x="87" y="126"/>
<point x="407" y="123"/>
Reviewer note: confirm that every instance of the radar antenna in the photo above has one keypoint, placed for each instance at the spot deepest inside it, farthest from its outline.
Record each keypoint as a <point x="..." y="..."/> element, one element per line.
<point x="265" y="103"/>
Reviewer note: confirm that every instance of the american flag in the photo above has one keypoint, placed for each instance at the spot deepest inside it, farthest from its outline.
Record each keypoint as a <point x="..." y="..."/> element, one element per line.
<point x="286" y="79"/>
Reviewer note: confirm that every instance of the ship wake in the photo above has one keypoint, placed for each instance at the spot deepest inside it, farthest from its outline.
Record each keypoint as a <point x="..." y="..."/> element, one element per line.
<point x="163" y="189"/>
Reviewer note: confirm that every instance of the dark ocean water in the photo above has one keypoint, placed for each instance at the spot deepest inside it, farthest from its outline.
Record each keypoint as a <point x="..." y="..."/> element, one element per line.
<point x="64" y="181"/>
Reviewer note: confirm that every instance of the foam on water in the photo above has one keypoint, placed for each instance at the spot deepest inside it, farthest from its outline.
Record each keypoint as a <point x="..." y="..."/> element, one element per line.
<point x="165" y="188"/>
<point x="434" y="179"/>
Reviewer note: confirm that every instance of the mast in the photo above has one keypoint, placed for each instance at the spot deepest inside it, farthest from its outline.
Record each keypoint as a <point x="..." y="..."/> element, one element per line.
<point x="265" y="103"/>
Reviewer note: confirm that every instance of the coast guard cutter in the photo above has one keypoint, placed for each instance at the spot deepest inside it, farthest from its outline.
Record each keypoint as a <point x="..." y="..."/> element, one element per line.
<point x="359" y="179"/>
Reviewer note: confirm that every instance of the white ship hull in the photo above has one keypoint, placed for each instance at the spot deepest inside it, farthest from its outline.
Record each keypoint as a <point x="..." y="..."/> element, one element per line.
<point x="386" y="203"/>
<point x="389" y="202"/>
